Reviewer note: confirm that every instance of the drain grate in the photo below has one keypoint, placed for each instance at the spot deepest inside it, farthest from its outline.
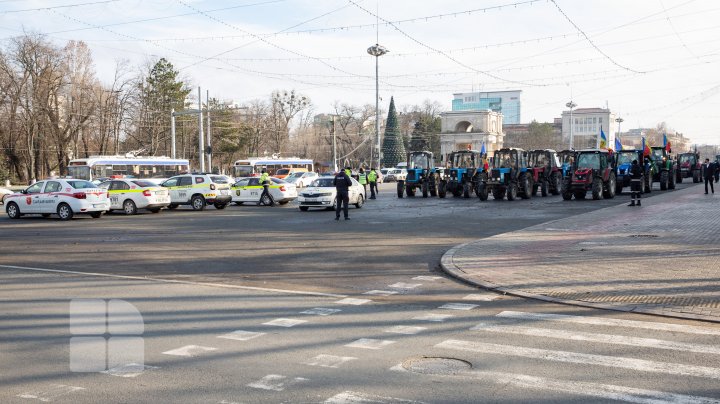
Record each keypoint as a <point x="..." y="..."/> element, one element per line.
<point x="436" y="365"/>
<point x="644" y="236"/>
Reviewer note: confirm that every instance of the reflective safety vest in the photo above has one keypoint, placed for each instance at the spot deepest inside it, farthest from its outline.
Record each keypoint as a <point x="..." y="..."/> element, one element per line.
<point x="348" y="172"/>
<point x="362" y="178"/>
<point x="372" y="176"/>
<point x="264" y="177"/>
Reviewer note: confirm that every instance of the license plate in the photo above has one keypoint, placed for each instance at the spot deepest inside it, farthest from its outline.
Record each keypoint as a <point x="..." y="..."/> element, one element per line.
<point x="163" y="200"/>
<point x="99" y="205"/>
<point x="224" y="192"/>
<point x="311" y="199"/>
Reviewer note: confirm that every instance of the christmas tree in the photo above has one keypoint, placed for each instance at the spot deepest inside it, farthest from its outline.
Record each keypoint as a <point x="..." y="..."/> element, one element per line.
<point x="393" y="148"/>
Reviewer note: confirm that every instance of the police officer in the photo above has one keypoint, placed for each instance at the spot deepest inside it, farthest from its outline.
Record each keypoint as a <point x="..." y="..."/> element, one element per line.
<point x="348" y="171"/>
<point x="342" y="184"/>
<point x="708" y="173"/>
<point x="372" y="179"/>
<point x="265" y="182"/>
<point x="363" y="179"/>
<point x="636" y="177"/>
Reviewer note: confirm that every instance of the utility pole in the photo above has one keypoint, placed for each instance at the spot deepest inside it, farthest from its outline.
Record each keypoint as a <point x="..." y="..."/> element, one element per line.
<point x="335" y="166"/>
<point x="201" y="137"/>
<point x="209" y="136"/>
<point x="172" y="132"/>
<point x="571" y="105"/>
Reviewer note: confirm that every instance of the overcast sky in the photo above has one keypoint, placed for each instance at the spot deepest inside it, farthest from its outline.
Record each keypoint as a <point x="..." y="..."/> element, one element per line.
<point x="648" y="60"/>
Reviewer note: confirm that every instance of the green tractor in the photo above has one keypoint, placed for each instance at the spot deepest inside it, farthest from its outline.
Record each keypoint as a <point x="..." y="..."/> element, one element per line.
<point x="665" y="167"/>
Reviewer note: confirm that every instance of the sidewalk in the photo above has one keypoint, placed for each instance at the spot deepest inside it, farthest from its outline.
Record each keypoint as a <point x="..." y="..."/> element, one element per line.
<point x="662" y="258"/>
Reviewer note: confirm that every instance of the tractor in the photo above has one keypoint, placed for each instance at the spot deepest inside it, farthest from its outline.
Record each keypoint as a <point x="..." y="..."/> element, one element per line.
<point x="689" y="166"/>
<point x="546" y="171"/>
<point x="508" y="176"/>
<point x="465" y="165"/>
<point x="592" y="171"/>
<point x="665" y="167"/>
<point x="421" y="175"/>
<point x="623" y="161"/>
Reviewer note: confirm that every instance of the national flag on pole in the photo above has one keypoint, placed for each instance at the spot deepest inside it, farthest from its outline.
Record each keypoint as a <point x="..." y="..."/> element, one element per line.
<point x="646" y="148"/>
<point x="666" y="144"/>
<point x="618" y="143"/>
<point x="603" y="140"/>
<point x="482" y="149"/>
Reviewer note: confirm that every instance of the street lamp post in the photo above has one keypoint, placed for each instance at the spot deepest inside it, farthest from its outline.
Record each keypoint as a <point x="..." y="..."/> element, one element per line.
<point x="377" y="50"/>
<point x="571" y="105"/>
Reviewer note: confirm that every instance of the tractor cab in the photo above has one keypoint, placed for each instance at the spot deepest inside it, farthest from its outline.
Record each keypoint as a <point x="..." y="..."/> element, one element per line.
<point x="422" y="176"/>
<point x="419" y="165"/>
<point x="464" y="165"/>
<point x="507" y="164"/>
<point x="689" y="166"/>
<point x="665" y="168"/>
<point x="567" y="161"/>
<point x="546" y="170"/>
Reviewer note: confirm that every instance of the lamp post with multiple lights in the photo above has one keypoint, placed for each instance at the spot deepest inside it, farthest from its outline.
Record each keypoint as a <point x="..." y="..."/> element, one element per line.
<point x="571" y="105"/>
<point x="377" y="50"/>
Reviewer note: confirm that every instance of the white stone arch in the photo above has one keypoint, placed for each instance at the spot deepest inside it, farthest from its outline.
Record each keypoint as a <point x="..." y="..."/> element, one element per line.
<point x="464" y="127"/>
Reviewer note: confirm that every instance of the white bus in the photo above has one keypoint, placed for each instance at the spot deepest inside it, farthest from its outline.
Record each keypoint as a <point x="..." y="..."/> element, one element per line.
<point x="104" y="167"/>
<point x="253" y="166"/>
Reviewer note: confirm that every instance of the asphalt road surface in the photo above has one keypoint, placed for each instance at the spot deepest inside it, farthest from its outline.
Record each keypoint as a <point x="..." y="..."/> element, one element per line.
<point x="257" y="304"/>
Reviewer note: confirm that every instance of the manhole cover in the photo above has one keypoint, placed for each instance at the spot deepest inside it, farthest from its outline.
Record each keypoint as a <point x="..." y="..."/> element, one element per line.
<point x="644" y="235"/>
<point x="436" y="366"/>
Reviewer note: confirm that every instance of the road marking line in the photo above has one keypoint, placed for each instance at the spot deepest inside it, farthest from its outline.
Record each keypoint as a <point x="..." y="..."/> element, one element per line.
<point x="190" y="350"/>
<point x="405" y="329"/>
<point x="57" y="390"/>
<point x="321" y="311"/>
<point x="689" y="329"/>
<point x="481" y="298"/>
<point x="241" y="335"/>
<point x="403" y="285"/>
<point x="181" y="282"/>
<point x="329" y="361"/>
<point x="285" y="322"/>
<point x="602" y="338"/>
<point x="352" y="397"/>
<point x="458" y="306"/>
<point x="129" y="370"/>
<point x="427" y="278"/>
<point x="433" y="317"/>
<point x="381" y="292"/>
<point x="370" y="343"/>
<point x="352" y="301"/>
<point x="276" y="382"/>
<point x="584" y="359"/>
<point x="605" y="391"/>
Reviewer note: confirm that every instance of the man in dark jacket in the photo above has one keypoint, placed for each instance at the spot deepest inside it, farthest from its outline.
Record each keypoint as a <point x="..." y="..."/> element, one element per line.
<point x="636" y="177"/>
<point x="708" y="174"/>
<point x="342" y="184"/>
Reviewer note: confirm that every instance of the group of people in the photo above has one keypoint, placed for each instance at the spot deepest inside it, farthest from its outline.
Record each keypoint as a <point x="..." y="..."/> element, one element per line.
<point x="343" y="183"/>
<point x="710" y="171"/>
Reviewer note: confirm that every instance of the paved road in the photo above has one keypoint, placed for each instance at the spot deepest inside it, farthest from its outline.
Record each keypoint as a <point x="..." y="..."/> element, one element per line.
<point x="238" y="342"/>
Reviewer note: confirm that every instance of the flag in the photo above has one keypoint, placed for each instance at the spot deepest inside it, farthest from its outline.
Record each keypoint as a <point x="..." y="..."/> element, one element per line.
<point x="664" y="140"/>
<point x="482" y="150"/>
<point x="618" y="143"/>
<point x="646" y="148"/>
<point x="603" y="140"/>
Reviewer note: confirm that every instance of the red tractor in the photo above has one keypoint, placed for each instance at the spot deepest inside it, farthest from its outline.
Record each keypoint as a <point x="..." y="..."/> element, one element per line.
<point x="689" y="166"/>
<point x="546" y="171"/>
<point x="592" y="171"/>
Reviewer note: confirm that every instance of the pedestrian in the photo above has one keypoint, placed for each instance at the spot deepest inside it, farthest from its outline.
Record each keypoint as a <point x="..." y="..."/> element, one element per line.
<point x="265" y="182"/>
<point x="709" y="172"/>
<point x="372" y="179"/>
<point x="363" y="179"/>
<point x="636" y="178"/>
<point x="342" y="184"/>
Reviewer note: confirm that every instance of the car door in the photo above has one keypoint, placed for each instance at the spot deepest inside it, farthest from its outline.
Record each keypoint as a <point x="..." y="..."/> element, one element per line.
<point x="237" y="189"/>
<point x="184" y="189"/>
<point x="29" y="204"/>
<point x="251" y="192"/>
<point x="171" y="185"/>
<point x="117" y="194"/>
<point x="50" y="197"/>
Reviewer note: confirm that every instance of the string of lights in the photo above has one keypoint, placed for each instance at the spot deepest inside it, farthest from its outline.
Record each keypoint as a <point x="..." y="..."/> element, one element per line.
<point x="54" y="7"/>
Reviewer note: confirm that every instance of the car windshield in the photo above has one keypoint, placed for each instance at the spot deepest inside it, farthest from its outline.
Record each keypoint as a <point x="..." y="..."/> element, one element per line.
<point x="78" y="184"/>
<point x="687" y="158"/>
<point x="282" y="171"/>
<point x="293" y="176"/>
<point x="218" y="179"/>
<point x="142" y="183"/>
<point x="323" y="183"/>
<point x="589" y="160"/>
<point x="464" y="160"/>
<point x="419" y="160"/>
<point x="626" y="158"/>
<point x="541" y="160"/>
<point x="658" y="153"/>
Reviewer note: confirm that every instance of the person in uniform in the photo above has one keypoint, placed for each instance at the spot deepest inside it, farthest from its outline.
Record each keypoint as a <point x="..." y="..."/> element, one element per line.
<point x="636" y="177"/>
<point x="709" y="174"/>
<point x="363" y="179"/>
<point x="342" y="185"/>
<point x="265" y="182"/>
<point x="372" y="179"/>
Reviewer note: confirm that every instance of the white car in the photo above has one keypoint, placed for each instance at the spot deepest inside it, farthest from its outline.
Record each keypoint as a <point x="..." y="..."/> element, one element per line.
<point x="249" y="190"/>
<point x="198" y="191"/>
<point x="322" y="194"/>
<point x="301" y="179"/>
<point x="3" y="193"/>
<point x="395" y="174"/>
<point x="64" y="197"/>
<point x="130" y="195"/>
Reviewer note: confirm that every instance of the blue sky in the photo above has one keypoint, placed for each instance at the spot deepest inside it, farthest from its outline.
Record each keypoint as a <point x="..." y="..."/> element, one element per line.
<point x="648" y="60"/>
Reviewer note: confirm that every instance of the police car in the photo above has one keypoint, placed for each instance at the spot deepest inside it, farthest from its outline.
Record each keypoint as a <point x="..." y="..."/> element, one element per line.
<point x="132" y="194"/>
<point x="64" y="197"/>
<point x="322" y="194"/>
<point x="198" y="191"/>
<point x="249" y="190"/>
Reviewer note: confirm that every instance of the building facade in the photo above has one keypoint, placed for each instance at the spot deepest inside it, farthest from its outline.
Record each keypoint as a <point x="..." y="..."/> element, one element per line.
<point x="505" y="102"/>
<point x="463" y="130"/>
<point x="586" y="125"/>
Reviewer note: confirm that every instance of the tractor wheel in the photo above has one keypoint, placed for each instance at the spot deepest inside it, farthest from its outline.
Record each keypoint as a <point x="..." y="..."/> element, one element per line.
<point x="482" y="191"/>
<point x="457" y="190"/>
<point x="580" y="194"/>
<point x="609" y="192"/>
<point x="597" y="189"/>
<point x="424" y="188"/>
<point x="400" y="189"/>
<point x="433" y="189"/>
<point x="544" y="186"/>
<point x="512" y="192"/>
<point x="526" y="187"/>
<point x="556" y="182"/>
<point x="466" y="190"/>
<point x="498" y="193"/>
<point x="664" y="180"/>
<point x="671" y="182"/>
<point x="442" y="189"/>
<point x="567" y="196"/>
<point x="410" y="190"/>
<point x="535" y="189"/>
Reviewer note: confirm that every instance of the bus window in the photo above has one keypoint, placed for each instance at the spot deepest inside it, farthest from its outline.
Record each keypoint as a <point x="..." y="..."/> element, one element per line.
<point x="79" y="172"/>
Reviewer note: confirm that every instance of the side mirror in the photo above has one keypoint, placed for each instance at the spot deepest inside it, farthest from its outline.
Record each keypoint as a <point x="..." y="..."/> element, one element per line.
<point x="24" y="191"/>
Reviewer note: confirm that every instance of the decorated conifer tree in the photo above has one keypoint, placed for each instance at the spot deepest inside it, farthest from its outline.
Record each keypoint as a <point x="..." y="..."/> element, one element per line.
<point x="393" y="148"/>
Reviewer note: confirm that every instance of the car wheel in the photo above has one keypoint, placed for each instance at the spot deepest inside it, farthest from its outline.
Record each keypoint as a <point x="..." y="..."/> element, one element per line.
<point x="304" y="208"/>
<point x="360" y="201"/>
<point x="197" y="202"/>
<point x="64" y="211"/>
<point x="13" y="211"/>
<point x="129" y="207"/>
<point x="172" y="206"/>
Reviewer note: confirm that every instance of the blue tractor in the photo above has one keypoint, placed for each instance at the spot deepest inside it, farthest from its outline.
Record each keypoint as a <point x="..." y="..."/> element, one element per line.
<point x="509" y="176"/>
<point x="567" y="159"/>
<point x="623" y="161"/>
<point x="465" y="165"/>
<point x="421" y="175"/>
